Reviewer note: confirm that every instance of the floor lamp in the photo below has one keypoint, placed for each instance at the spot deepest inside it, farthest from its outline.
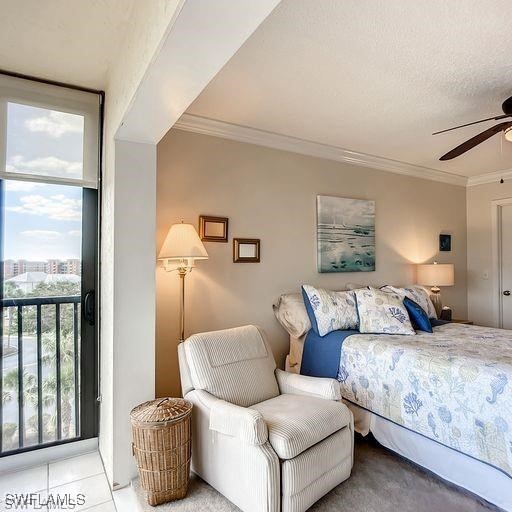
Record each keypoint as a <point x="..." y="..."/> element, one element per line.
<point x="182" y="247"/>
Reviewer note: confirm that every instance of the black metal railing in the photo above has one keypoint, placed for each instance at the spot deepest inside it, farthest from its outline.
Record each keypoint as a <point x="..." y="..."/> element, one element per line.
<point x="41" y="373"/>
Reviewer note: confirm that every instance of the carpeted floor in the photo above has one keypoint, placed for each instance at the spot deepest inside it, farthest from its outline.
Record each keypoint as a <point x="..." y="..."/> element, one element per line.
<point x="381" y="482"/>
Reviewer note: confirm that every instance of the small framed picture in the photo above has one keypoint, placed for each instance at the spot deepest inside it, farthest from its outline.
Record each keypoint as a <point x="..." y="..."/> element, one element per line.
<point x="445" y="243"/>
<point x="246" y="250"/>
<point x="213" y="229"/>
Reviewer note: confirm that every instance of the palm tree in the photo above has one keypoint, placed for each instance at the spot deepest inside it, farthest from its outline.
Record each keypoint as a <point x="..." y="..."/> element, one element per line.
<point x="9" y="390"/>
<point x="6" y="396"/>
<point x="9" y="436"/>
<point x="67" y="389"/>
<point x="29" y="385"/>
<point x="49" y="400"/>
<point x="11" y="290"/>
<point x="49" y="384"/>
<point x="67" y="378"/>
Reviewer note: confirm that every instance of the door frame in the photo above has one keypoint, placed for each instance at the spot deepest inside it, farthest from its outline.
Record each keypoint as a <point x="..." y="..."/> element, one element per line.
<point x="88" y="382"/>
<point x="89" y="331"/>
<point x="497" y="299"/>
<point x="91" y="234"/>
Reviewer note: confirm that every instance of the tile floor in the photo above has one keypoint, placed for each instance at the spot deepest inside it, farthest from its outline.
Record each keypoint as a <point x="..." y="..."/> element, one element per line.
<point x="68" y="477"/>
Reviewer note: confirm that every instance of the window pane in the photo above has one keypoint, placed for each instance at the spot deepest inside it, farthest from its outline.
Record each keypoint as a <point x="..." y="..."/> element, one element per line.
<point x="42" y="245"/>
<point x="44" y="142"/>
<point x="42" y="240"/>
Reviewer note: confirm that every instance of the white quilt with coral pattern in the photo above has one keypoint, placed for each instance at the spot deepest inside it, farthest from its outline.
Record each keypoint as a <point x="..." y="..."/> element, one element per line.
<point x="453" y="386"/>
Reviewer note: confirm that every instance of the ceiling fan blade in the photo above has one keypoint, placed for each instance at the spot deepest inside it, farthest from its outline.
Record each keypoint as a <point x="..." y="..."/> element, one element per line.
<point x="477" y="139"/>
<point x="497" y="118"/>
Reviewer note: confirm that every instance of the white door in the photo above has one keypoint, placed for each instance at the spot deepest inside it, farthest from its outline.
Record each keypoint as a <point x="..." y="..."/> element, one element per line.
<point x="506" y="265"/>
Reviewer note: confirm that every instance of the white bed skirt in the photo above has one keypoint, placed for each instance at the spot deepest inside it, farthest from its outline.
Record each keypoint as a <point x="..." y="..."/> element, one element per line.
<point x="457" y="468"/>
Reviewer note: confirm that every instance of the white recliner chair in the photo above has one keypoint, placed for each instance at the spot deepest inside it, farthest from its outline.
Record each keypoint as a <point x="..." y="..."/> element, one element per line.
<point x="268" y="440"/>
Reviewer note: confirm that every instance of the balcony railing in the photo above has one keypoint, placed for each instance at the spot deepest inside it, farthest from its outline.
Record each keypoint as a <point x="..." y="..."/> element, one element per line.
<point x="40" y="372"/>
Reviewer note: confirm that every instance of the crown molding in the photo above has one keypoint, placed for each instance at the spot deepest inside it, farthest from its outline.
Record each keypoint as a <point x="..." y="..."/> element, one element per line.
<point x="490" y="177"/>
<point x="205" y="126"/>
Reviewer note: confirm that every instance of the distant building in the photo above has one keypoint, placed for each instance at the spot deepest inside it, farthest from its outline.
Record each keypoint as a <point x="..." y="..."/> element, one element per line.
<point x="73" y="266"/>
<point x="52" y="266"/>
<point x="9" y="269"/>
<point x="14" y="268"/>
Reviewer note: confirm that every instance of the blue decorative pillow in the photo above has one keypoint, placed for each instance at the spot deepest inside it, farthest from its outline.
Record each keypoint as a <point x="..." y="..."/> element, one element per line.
<point x="330" y="311"/>
<point x="418" y="316"/>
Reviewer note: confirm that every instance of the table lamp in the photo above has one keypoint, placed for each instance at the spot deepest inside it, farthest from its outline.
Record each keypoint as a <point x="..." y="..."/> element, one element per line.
<point x="436" y="275"/>
<point x="182" y="247"/>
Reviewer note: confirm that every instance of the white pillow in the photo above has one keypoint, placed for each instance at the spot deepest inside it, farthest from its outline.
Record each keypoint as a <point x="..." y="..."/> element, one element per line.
<point x="292" y="315"/>
<point x="382" y="312"/>
<point x="333" y="310"/>
<point x="416" y="293"/>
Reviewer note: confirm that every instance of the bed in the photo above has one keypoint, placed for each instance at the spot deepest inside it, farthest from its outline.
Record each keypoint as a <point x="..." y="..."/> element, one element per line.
<point x="442" y="400"/>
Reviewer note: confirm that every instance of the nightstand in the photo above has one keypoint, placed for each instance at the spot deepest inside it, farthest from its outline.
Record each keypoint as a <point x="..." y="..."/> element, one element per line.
<point x="467" y="322"/>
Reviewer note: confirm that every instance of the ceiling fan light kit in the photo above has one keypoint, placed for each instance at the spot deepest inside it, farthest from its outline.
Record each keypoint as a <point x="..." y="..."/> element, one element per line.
<point x="505" y="127"/>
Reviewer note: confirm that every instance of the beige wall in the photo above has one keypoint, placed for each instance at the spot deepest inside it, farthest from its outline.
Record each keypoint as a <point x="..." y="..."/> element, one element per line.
<point x="481" y="299"/>
<point x="148" y="24"/>
<point x="271" y="194"/>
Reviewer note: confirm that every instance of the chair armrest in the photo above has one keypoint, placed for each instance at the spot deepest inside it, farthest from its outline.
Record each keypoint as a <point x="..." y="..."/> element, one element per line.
<point x="231" y="420"/>
<point x="294" y="384"/>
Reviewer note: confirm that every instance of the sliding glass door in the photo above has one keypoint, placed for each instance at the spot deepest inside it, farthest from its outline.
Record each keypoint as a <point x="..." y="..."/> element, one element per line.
<point x="49" y="160"/>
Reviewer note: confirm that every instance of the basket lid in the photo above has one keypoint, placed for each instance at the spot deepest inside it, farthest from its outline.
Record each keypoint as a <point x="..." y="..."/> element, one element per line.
<point x="161" y="410"/>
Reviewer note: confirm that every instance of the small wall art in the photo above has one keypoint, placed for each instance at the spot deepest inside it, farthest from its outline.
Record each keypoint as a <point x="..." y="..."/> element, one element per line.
<point x="246" y="250"/>
<point x="213" y="229"/>
<point x="445" y="243"/>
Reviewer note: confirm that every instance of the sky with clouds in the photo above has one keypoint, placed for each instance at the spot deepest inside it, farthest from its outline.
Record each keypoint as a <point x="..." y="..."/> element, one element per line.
<point x="350" y="212"/>
<point x="42" y="221"/>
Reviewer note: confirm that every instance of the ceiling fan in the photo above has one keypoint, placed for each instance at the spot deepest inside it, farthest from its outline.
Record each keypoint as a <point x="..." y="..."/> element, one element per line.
<point x="486" y="134"/>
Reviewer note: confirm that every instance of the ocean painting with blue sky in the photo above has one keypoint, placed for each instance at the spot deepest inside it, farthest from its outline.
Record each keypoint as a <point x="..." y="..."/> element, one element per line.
<point x="345" y="234"/>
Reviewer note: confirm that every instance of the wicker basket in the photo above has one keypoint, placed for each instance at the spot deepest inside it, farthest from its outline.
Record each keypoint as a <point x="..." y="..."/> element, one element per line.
<point x="162" y="447"/>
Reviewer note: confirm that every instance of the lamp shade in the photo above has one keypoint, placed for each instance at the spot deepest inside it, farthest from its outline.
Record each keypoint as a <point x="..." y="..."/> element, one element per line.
<point x="182" y="242"/>
<point x="436" y="274"/>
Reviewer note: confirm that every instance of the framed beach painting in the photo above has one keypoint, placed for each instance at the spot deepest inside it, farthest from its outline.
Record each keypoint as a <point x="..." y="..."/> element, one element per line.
<point x="345" y="234"/>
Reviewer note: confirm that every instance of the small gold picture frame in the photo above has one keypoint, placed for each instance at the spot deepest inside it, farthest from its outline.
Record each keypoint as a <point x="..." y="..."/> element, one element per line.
<point x="213" y="229"/>
<point x="246" y="250"/>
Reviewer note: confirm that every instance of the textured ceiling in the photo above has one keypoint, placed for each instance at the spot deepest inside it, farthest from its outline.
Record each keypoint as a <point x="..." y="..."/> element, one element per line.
<point x="72" y="41"/>
<point x="375" y="76"/>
